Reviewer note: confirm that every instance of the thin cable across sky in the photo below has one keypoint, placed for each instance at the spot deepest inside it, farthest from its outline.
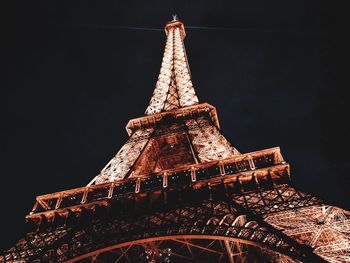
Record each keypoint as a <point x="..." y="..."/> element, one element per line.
<point x="194" y="27"/>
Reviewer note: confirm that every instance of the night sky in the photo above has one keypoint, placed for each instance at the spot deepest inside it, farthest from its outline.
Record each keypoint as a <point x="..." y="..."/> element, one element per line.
<point x="77" y="75"/>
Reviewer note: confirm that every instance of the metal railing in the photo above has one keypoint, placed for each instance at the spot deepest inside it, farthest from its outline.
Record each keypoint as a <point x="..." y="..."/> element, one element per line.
<point x="235" y="166"/>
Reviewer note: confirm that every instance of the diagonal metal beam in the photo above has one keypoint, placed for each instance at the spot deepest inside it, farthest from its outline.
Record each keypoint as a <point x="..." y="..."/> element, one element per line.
<point x="123" y="253"/>
<point x="229" y="251"/>
<point x="198" y="246"/>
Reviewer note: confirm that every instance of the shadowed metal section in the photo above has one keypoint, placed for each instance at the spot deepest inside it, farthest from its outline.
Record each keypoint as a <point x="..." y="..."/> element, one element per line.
<point x="205" y="213"/>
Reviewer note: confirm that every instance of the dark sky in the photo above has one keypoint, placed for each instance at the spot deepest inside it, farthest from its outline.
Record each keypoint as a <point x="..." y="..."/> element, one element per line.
<point x="76" y="77"/>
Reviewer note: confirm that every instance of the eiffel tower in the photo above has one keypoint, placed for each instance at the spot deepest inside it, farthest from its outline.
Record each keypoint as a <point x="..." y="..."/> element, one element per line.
<point x="179" y="191"/>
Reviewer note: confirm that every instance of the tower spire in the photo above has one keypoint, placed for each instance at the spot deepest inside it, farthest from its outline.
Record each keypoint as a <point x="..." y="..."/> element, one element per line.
<point x="174" y="88"/>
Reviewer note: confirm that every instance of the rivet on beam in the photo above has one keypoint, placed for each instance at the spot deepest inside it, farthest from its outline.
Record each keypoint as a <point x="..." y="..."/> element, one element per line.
<point x="59" y="200"/>
<point x="83" y="200"/>
<point x="137" y="187"/>
<point x="110" y="191"/>
<point x="222" y="168"/>
<point x="193" y="174"/>
<point x="251" y="162"/>
<point x="165" y="180"/>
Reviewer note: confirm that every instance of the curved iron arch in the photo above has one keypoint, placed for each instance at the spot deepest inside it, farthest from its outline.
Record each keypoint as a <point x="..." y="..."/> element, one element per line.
<point x="208" y="237"/>
<point x="202" y="212"/>
<point x="230" y="227"/>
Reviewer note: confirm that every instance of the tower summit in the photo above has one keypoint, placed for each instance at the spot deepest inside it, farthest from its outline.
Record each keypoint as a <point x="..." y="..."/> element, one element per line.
<point x="179" y="191"/>
<point x="174" y="88"/>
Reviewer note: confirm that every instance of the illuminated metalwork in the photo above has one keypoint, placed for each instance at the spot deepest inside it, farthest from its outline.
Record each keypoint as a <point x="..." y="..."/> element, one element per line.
<point x="174" y="88"/>
<point x="120" y="165"/>
<point x="206" y="212"/>
<point x="178" y="191"/>
<point x="208" y="141"/>
<point x="325" y="228"/>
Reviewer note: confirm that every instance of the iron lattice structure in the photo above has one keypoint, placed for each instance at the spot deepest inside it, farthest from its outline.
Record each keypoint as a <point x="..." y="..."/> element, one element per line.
<point x="178" y="191"/>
